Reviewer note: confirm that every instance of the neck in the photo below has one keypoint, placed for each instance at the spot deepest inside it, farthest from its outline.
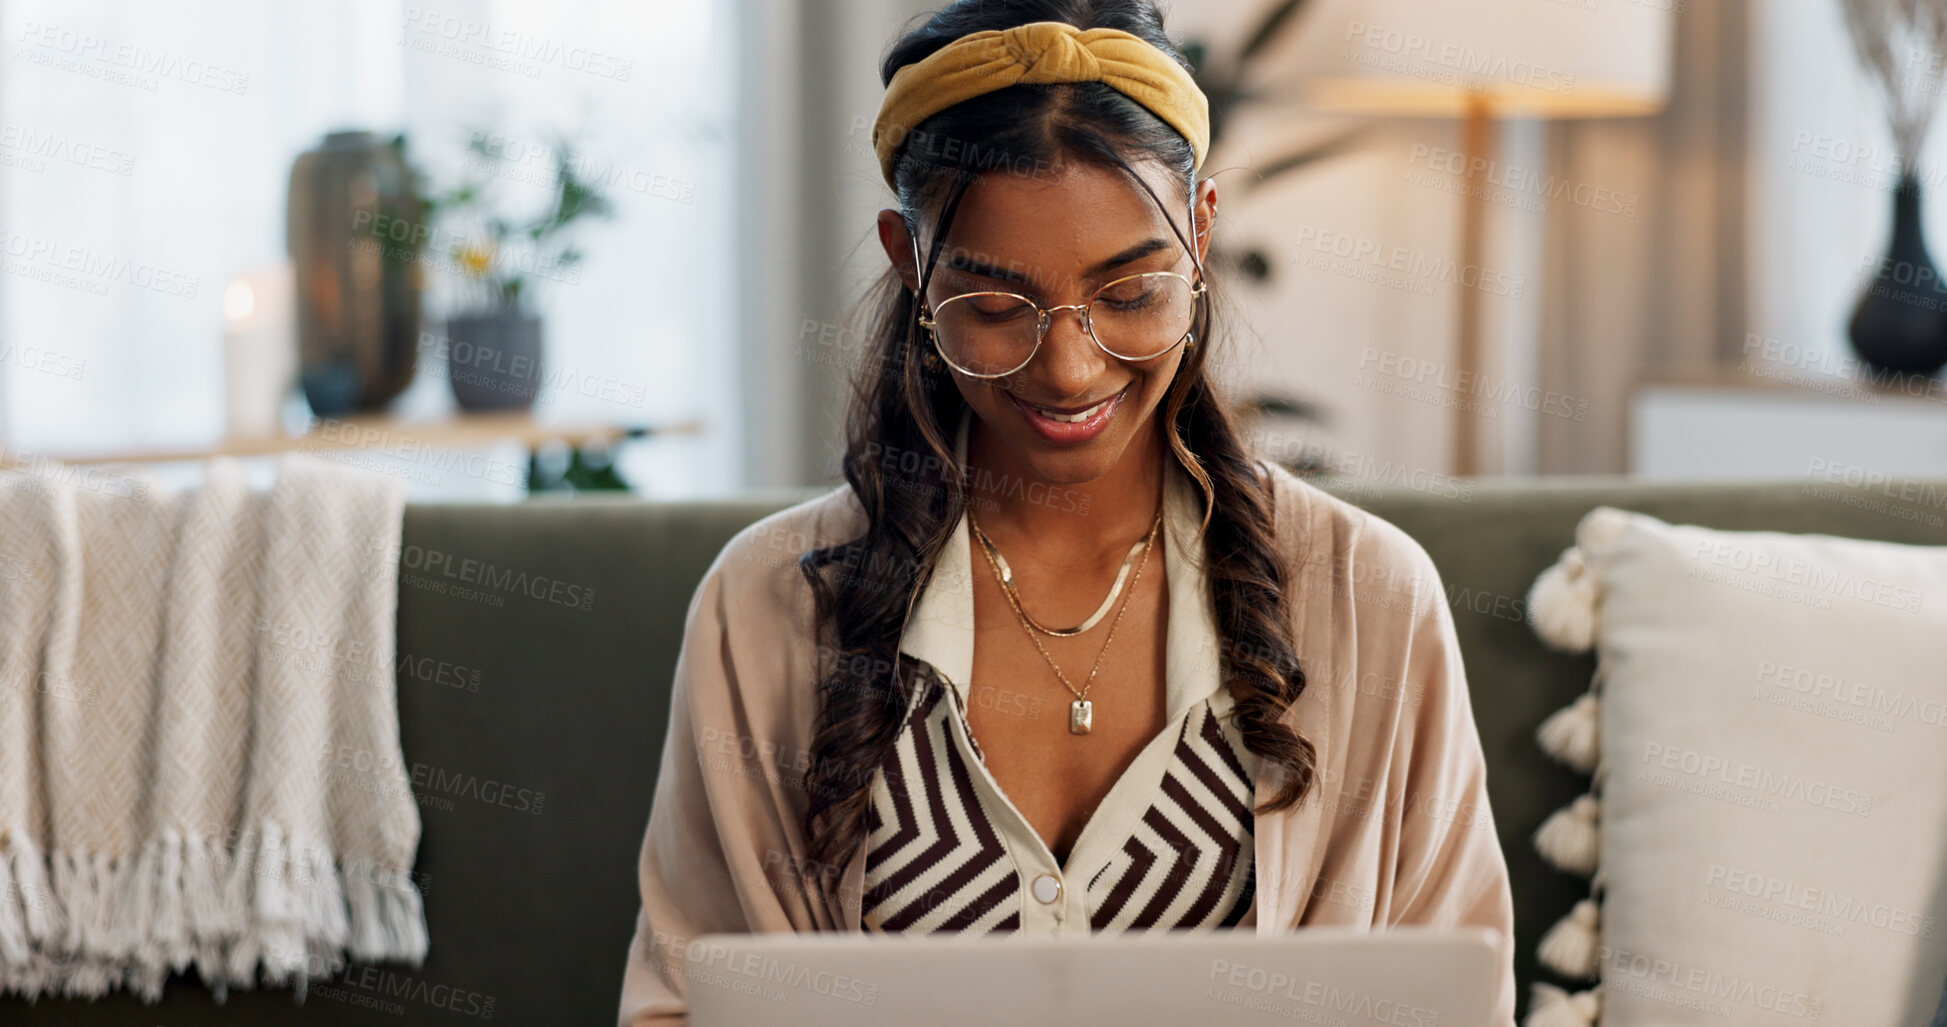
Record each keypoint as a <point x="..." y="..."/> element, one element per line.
<point x="1081" y="521"/>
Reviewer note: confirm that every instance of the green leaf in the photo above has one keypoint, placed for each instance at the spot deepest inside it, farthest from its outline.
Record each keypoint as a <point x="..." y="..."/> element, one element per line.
<point x="1195" y="51"/>
<point x="1269" y="27"/>
<point x="1305" y="156"/>
<point x="1287" y="406"/>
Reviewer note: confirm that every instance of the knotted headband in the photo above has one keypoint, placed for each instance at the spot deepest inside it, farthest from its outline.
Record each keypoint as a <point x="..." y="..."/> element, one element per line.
<point x="1040" y="53"/>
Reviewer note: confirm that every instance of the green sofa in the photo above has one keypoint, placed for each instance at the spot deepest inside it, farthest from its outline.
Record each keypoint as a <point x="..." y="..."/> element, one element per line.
<point x="533" y="705"/>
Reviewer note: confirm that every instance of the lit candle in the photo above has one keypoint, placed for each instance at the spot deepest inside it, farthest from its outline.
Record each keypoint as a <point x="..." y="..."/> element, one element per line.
<point x="259" y="351"/>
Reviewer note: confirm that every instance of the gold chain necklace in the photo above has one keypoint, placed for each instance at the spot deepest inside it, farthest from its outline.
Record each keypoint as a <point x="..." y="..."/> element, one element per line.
<point x="1006" y="575"/>
<point x="1081" y="713"/>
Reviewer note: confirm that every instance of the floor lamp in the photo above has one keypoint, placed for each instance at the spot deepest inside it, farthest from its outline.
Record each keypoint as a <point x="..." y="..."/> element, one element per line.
<point x="1481" y="61"/>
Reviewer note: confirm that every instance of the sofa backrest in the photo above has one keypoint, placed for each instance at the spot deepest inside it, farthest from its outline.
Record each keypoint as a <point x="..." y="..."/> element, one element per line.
<point x="536" y="644"/>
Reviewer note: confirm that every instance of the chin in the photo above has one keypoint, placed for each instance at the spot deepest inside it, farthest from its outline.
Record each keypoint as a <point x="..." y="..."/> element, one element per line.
<point x="1073" y="468"/>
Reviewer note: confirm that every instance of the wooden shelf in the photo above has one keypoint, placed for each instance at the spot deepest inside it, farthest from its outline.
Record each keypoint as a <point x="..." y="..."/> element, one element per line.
<point x="1784" y="381"/>
<point x="384" y="432"/>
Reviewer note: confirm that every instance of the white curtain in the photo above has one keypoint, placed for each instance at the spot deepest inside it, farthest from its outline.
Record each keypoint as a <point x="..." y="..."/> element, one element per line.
<point x="146" y="149"/>
<point x="809" y="189"/>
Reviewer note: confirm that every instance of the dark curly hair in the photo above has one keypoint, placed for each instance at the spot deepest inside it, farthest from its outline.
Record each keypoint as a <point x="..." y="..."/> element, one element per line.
<point x="866" y="588"/>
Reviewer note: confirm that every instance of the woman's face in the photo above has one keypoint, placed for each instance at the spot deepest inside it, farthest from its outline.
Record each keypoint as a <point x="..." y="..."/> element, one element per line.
<point x="1056" y="237"/>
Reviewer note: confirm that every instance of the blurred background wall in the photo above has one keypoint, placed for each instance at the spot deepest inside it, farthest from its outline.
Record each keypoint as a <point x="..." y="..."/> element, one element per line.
<point x="1642" y="286"/>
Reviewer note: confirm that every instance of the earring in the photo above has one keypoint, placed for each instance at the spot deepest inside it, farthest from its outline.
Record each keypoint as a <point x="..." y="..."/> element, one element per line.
<point x="929" y="360"/>
<point x="1190" y="341"/>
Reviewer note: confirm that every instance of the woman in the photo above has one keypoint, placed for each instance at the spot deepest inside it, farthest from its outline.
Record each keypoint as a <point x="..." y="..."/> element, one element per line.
<point x="1037" y="666"/>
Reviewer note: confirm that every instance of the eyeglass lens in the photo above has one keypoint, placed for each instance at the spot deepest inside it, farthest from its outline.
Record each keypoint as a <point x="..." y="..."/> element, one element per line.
<point x="1133" y="318"/>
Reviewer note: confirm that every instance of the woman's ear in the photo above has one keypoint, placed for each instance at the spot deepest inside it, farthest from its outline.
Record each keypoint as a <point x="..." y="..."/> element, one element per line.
<point x="898" y="244"/>
<point x="1206" y="216"/>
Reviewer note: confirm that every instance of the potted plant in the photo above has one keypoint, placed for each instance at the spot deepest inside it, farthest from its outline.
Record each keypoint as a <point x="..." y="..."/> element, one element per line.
<point x="493" y="339"/>
<point x="1234" y="82"/>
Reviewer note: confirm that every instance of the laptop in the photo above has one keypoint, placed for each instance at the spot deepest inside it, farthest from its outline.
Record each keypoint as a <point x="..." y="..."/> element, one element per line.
<point x="1343" y="977"/>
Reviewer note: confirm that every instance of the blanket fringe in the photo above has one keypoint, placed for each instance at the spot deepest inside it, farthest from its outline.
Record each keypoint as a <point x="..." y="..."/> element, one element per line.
<point x="273" y="910"/>
<point x="13" y="921"/>
<point x="21" y="899"/>
<point x="393" y="924"/>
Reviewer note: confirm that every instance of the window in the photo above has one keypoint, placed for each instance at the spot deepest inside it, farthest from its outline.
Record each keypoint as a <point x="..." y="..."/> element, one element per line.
<point x="145" y="155"/>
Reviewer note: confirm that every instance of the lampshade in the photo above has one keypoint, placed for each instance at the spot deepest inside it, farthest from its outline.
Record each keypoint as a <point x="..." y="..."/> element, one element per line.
<point x="1520" y="58"/>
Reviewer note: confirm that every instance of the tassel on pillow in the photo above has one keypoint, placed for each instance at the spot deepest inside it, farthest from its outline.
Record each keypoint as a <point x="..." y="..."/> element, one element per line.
<point x="1550" y="1006"/>
<point x="1561" y="603"/>
<point x="1569" y="838"/>
<point x="1569" y="947"/>
<point x="1570" y="734"/>
<point x="1601" y="526"/>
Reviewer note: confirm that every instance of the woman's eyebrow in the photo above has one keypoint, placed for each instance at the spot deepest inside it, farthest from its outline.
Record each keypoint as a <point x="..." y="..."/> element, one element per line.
<point x="1128" y="256"/>
<point x="975" y="266"/>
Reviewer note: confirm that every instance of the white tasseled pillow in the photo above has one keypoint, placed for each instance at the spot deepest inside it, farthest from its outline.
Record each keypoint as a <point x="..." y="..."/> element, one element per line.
<point x="1767" y="735"/>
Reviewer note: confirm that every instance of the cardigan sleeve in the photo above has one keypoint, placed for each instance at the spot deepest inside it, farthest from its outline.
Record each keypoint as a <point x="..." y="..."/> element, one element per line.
<point x="721" y="833"/>
<point x="687" y="886"/>
<point x="1450" y="870"/>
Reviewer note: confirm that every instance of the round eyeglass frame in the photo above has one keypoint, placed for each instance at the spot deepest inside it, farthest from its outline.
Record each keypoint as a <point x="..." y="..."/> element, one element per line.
<point x="1044" y="316"/>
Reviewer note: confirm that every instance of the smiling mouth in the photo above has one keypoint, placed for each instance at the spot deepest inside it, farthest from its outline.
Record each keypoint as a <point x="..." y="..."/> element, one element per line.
<point x="1076" y="416"/>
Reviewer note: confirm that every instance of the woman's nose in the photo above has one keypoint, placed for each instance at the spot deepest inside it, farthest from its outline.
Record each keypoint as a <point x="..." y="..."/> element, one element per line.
<point x="1069" y="361"/>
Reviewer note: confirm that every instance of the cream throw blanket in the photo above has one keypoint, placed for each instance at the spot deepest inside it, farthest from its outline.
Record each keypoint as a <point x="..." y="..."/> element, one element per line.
<point x="199" y="741"/>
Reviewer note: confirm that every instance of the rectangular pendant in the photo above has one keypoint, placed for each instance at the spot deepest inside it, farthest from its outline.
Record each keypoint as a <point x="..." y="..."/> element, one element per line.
<point x="1081" y="717"/>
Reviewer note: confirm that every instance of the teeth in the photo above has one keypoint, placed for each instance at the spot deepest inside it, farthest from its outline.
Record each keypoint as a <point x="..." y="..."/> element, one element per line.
<point x="1075" y="418"/>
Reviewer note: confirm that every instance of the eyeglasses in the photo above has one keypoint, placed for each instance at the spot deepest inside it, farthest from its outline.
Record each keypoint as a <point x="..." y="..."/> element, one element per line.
<point x="994" y="334"/>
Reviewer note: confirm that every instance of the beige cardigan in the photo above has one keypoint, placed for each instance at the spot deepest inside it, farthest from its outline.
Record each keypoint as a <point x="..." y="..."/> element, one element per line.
<point x="1396" y="830"/>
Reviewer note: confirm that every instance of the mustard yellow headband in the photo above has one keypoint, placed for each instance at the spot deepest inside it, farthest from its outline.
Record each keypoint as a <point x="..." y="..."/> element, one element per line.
<point x="1040" y="53"/>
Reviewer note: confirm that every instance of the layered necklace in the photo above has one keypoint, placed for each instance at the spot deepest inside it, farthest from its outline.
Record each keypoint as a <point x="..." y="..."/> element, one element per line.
<point x="1081" y="713"/>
